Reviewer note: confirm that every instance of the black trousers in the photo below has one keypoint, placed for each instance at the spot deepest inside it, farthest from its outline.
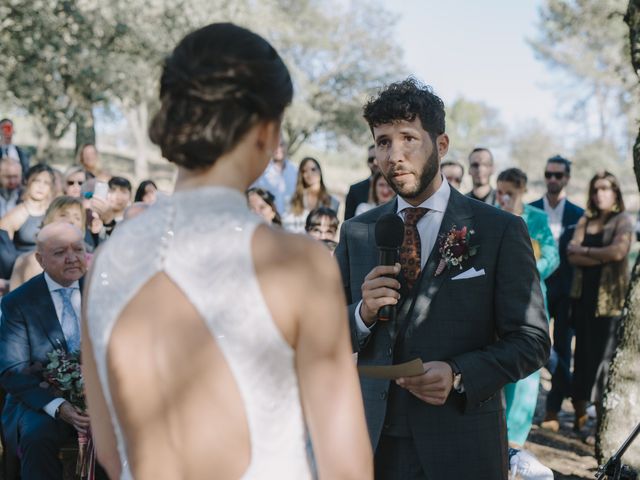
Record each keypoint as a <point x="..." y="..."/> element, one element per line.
<point x="596" y="341"/>
<point x="559" y="307"/>
<point x="397" y="459"/>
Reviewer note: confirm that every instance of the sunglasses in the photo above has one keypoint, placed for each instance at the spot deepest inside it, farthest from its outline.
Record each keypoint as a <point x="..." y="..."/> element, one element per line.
<point x="74" y="182"/>
<point x="371" y="159"/>
<point x="557" y="175"/>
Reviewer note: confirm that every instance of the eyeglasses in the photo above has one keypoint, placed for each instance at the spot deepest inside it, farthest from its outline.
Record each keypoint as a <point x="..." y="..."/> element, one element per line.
<point x="74" y="182"/>
<point x="556" y="175"/>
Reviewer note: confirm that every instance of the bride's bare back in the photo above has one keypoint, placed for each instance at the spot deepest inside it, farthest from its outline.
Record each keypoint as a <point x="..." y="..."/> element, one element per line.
<point x="211" y="334"/>
<point x="176" y="398"/>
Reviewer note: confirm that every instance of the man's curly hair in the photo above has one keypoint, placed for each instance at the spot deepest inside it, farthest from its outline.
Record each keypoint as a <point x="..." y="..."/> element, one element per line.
<point x="407" y="100"/>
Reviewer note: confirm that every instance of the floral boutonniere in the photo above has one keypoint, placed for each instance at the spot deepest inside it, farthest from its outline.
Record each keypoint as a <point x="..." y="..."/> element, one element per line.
<point x="455" y="248"/>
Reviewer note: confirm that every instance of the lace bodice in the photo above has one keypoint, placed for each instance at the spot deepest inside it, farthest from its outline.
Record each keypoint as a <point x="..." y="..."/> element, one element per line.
<point x="201" y="239"/>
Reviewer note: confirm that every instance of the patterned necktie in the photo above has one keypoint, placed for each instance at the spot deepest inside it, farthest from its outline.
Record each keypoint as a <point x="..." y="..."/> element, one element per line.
<point x="411" y="247"/>
<point x="69" y="320"/>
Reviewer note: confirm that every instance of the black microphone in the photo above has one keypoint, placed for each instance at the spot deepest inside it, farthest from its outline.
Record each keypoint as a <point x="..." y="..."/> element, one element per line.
<point x="389" y="237"/>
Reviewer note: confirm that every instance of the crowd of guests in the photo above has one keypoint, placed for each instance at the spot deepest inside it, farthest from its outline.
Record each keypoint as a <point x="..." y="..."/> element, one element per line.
<point x="581" y="254"/>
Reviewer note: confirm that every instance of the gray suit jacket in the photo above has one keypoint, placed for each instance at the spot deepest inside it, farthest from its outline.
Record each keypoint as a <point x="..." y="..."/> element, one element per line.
<point x="493" y="326"/>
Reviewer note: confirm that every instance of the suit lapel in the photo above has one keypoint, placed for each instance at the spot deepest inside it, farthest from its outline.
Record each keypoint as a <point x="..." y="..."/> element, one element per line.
<point x="458" y="214"/>
<point x="43" y="311"/>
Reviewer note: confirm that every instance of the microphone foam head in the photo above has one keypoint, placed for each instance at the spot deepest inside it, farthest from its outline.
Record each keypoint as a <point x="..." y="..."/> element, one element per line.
<point x="389" y="231"/>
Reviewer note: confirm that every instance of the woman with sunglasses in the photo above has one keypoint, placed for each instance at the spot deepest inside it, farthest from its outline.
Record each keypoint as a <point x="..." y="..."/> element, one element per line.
<point x="599" y="251"/>
<point x="74" y="179"/>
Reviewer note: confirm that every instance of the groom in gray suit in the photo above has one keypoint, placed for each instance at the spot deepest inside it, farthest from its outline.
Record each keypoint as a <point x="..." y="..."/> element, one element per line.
<point x="471" y="309"/>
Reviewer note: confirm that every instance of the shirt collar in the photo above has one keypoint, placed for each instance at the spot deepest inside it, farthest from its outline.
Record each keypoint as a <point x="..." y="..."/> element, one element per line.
<point x="560" y="206"/>
<point x="53" y="285"/>
<point x="437" y="202"/>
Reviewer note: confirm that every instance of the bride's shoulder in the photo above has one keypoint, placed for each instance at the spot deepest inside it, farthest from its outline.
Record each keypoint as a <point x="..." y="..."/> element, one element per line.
<point x="297" y="256"/>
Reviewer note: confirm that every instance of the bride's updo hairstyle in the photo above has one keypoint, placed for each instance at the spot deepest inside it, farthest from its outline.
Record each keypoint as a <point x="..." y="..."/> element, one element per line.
<point x="217" y="84"/>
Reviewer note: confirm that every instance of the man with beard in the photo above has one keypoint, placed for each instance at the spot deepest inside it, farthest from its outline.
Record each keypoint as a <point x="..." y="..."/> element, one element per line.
<point x="563" y="217"/>
<point x="475" y="322"/>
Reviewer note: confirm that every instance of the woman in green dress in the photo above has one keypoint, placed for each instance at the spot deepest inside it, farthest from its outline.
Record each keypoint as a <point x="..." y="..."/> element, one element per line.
<point x="522" y="396"/>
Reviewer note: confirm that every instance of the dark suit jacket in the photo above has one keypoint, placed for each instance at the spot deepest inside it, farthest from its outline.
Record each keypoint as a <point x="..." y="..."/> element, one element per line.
<point x="24" y="161"/>
<point x="8" y="255"/>
<point x="358" y="193"/>
<point x="559" y="283"/>
<point x="29" y="331"/>
<point x="493" y="326"/>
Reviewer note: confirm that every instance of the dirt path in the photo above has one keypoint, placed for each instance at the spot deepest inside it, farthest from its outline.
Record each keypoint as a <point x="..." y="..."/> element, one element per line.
<point x="564" y="451"/>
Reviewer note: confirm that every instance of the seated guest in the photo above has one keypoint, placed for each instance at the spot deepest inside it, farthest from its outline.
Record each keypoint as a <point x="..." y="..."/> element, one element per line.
<point x="8" y="255"/>
<point x="23" y="222"/>
<point x="263" y="203"/>
<point x="10" y="184"/>
<point x="453" y="171"/>
<point x="310" y="193"/>
<point x="74" y="179"/>
<point x="89" y="159"/>
<point x="62" y="209"/>
<point x="322" y="223"/>
<point x="119" y="197"/>
<point x="37" y="318"/>
<point x="359" y="192"/>
<point x="146" y="192"/>
<point x="380" y="192"/>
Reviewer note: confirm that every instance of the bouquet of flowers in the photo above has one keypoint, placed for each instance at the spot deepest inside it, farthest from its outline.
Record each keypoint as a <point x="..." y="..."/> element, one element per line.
<point x="64" y="375"/>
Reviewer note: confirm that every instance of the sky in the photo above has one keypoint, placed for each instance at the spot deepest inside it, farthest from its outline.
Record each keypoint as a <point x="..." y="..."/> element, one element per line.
<point x="477" y="49"/>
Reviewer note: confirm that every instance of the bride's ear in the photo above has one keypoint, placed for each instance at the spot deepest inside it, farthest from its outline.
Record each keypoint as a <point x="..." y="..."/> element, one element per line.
<point x="268" y="137"/>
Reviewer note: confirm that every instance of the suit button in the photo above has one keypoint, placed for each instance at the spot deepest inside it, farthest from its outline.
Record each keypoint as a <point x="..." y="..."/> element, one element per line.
<point x="383" y="395"/>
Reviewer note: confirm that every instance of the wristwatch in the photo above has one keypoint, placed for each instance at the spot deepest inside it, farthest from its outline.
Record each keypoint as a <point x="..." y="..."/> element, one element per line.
<point x="457" y="377"/>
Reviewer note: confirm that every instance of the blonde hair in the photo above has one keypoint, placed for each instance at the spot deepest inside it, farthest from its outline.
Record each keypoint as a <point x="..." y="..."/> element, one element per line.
<point x="61" y="203"/>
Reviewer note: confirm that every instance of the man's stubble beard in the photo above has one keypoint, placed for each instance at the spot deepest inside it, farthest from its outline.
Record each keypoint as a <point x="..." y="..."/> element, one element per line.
<point x="430" y="171"/>
<point x="554" y="189"/>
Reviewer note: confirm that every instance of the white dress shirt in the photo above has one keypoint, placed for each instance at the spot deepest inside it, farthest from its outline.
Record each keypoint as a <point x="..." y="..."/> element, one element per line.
<point x="555" y="217"/>
<point x="428" y="227"/>
<point x="76" y="300"/>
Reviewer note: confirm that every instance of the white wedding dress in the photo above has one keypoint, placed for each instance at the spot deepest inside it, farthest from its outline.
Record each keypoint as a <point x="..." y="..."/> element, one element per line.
<point x="201" y="239"/>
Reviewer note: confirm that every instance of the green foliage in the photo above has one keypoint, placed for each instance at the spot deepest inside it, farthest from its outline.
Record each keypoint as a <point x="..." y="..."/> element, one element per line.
<point x="63" y="373"/>
<point x="587" y="40"/>
<point x="530" y="146"/>
<point x="61" y="58"/>
<point x="57" y="56"/>
<point x="472" y="124"/>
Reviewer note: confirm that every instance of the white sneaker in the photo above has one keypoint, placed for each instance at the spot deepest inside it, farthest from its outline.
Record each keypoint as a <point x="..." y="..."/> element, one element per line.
<point x="526" y="466"/>
<point x="591" y="411"/>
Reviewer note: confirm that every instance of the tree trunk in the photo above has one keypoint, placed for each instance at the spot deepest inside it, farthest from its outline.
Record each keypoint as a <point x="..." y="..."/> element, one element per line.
<point x="621" y="411"/>
<point x="138" y="120"/>
<point x="85" y="128"/>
